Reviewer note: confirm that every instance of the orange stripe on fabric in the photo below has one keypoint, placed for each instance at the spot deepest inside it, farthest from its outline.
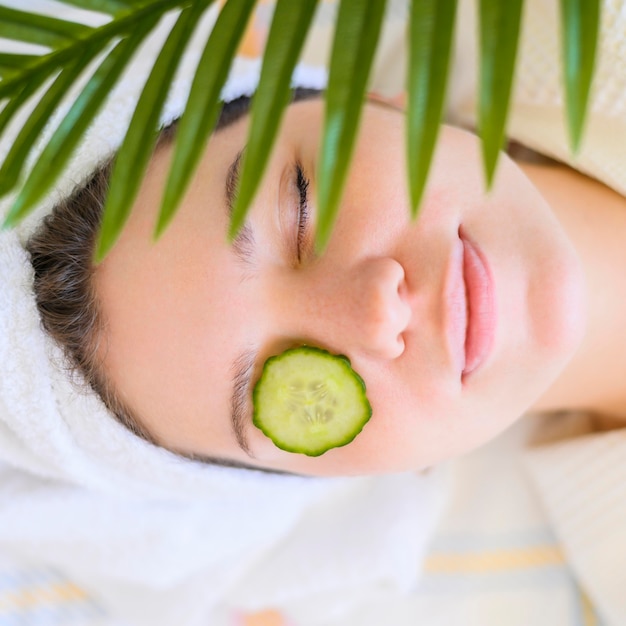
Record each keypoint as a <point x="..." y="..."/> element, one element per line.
<point x="36" y="596"/>
<point x="263" y="618"/>
<point x="589" y="613"/>
<point x="497" y="561"/>
<point x="253" y="39"/>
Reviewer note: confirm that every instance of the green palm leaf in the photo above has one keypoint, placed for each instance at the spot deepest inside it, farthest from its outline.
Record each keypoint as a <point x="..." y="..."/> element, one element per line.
<point x="16" y="102"/>
<point x="71" y="46"/>
<point x="11" y="62"/>
<point x="68" y="49"/>
<point x="60" y="147"/>
<point x="15" y="161"/>
<point x="499" y="36"/>
<point x="581" y="22"/>
<point x="356" y="35"/>
<point x="111" y="7"/>
<point x="285" y="40"/>
<point x="38" y="29"/>
<point x="202" y="109"/>
<point x="136" y="150"/>
<point x="64" y="64"/>
<point x="431" y="28"/>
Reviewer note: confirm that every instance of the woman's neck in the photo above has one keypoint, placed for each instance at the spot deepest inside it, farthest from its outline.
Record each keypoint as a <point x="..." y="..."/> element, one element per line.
<point x="594" y="217"/>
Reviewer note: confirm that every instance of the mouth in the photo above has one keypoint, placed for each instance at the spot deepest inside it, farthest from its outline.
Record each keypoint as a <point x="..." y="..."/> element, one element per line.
<point x="480" y="302"/>
<point x="470" y="307"/>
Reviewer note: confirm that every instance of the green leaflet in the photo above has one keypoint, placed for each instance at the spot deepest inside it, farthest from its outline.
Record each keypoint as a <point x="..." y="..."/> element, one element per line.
<point x="10" y="62"/>
<point x="580" y="21"/>
<point x="499" y="36"/>
<point x="15" y="161"/>
<point x="47" y="64"/>
<point x="70" y="131"/>
<point x="431" y="28"/>
<point x="203" y="105"/>
<point x="111" y="7"/>
<point x="62" y="66"/>
<point x="136" y="149"/>
<point x="14" y="104"/>
<point x="38" y="29"/>
<point x="356" y="36"/>
<point x="290" y="25"/>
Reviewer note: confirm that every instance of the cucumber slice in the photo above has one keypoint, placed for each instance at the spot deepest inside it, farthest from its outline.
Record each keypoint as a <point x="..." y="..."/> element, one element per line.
<point x="309" y="401"/>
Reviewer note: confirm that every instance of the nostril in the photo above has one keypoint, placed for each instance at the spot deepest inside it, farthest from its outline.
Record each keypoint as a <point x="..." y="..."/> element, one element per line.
<point x="401" y="345"/>
<point x="403" y="288"/>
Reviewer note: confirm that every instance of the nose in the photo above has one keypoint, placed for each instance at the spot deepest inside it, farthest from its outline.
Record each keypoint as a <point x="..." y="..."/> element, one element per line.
<point x="363" y="310"/>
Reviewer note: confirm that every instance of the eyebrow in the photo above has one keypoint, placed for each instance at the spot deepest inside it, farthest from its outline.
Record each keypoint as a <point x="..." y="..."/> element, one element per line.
<point x="243" y="243"/>
<point x="239" y="414"/>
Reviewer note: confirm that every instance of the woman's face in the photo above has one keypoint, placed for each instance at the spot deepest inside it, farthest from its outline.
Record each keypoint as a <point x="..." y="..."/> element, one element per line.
<point x="457" y="321"/>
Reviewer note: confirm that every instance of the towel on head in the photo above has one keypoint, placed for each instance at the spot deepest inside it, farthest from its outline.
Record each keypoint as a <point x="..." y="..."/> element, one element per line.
<point x="156" y="538"/>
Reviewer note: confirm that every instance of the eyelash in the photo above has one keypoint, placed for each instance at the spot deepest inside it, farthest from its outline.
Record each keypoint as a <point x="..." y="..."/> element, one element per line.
<point x="302" y="184"/>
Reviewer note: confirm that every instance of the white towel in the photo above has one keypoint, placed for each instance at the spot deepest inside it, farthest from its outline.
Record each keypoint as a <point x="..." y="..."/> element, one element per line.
<point x="158" y="539"/>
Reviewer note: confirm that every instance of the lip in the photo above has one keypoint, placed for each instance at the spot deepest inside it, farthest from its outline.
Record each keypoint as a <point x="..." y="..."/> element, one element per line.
<point x="456" y="306"/>
<point x="481" y="311"/>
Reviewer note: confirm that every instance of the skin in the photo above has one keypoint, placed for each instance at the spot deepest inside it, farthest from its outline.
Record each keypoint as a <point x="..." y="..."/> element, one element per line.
<point x="594" y="217"/>
<point x="181" y="311"/>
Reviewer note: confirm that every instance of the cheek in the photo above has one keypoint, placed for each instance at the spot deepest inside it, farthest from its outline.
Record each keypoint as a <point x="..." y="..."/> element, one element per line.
<point x="374" y="213"/>
<point x="411" y="433"/>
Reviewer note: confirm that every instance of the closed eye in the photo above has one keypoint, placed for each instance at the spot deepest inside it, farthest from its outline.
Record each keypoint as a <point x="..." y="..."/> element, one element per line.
<point x="302" y="184"/>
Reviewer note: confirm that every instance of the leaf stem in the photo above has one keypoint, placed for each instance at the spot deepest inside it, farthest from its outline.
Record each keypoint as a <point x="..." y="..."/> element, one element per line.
<point x="118" y="26"/>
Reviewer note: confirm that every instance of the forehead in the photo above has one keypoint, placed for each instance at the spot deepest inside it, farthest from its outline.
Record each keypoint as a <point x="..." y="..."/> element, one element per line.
<point x="169" y="307"/>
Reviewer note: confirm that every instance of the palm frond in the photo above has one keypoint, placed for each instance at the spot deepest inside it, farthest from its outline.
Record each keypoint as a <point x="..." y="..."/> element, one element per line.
<point x="73" y="48"/>
<point x="67" y="49"/>
<point x="15" y="161"/>
<point x="59" y="149"/>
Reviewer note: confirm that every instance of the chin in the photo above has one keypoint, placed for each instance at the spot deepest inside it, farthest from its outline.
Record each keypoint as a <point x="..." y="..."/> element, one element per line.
<point x="560" y="318"/>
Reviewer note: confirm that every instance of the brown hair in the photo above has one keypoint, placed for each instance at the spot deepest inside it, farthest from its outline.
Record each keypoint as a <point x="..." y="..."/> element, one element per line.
<point x="61" y="253"/>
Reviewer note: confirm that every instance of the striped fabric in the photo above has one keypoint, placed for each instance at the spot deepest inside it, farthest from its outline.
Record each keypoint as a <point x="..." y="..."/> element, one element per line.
<point x="35" y="596"/>
<point x="518" y="578"/>
<point x="582" y="483"/>
<point x="495" y="559"/>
